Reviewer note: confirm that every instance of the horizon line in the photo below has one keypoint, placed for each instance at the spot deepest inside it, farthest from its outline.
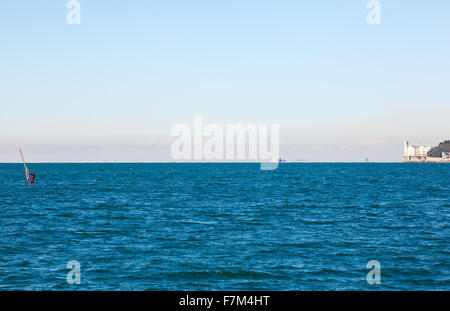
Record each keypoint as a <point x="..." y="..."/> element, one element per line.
<point x="194" y="162"/>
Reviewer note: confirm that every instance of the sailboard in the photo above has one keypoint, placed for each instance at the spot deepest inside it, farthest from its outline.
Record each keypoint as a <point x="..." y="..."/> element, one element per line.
<point x="27" y="172"/>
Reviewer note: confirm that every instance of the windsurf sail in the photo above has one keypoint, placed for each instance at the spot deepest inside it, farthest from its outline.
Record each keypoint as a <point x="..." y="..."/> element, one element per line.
<point x="27" y="172"/>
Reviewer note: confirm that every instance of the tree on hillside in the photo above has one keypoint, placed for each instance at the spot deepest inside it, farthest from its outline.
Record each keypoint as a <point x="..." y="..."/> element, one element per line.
<point x="436" y="152"/>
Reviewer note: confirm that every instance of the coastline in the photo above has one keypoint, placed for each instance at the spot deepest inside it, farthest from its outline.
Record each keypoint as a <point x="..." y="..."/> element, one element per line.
<point x="416" y="159"/>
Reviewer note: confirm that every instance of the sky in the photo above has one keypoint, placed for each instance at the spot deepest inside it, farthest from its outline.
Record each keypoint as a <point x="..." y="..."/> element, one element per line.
<point x="112" y="87"/>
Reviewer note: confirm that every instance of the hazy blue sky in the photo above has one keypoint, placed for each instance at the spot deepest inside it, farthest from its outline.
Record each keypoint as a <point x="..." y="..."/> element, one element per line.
<point x="112" y="87"/>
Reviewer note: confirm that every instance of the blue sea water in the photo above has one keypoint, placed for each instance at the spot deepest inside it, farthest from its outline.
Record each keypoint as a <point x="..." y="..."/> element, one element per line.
<point x="225" y="226"/>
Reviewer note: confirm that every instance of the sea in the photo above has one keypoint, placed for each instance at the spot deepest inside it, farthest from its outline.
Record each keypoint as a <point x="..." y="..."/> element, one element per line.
<point x="225" y="226"/>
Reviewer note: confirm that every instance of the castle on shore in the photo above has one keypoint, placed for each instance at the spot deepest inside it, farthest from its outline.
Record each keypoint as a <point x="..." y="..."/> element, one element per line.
<point x="413" y="153"/>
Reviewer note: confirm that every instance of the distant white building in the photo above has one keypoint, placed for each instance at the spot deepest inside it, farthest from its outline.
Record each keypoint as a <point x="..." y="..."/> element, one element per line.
<point x="415" y="151"/>
<point x="445" y="155"/>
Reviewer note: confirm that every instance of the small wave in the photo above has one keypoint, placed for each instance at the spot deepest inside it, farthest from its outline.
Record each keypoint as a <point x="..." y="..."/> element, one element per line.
<point x="238" y="274"/>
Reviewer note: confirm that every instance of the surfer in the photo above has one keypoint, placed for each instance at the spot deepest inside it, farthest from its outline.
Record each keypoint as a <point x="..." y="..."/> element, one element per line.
<point x="27" y="172"/>
<point x="32" y="178"/>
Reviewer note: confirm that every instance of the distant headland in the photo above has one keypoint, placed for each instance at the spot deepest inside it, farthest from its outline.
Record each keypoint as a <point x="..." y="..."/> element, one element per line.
<point x="439" y="154"/>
